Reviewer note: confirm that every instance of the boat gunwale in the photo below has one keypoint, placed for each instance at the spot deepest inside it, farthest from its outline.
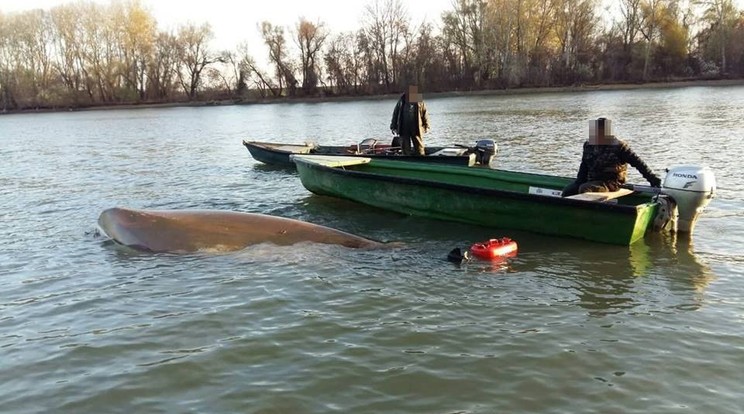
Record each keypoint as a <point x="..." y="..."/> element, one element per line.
<point x="270" y="154"/>
<point x="273" y="146"/>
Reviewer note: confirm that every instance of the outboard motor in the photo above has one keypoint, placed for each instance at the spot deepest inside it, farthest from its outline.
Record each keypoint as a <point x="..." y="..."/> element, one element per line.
<point x="692" y="187"/>
<point x="485" y="151"/>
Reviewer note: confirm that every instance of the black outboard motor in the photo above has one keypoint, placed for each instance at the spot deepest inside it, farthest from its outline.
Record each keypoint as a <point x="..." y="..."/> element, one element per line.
<point x="485" y="151"/>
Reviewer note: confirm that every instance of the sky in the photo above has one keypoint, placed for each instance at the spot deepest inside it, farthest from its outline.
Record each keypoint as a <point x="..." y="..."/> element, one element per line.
<point x="236" y="21"/>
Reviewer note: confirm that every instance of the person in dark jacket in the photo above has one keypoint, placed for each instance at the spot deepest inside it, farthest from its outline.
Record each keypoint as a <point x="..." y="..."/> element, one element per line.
<point x="604" y="162"/>
<point x="410" y="121"/>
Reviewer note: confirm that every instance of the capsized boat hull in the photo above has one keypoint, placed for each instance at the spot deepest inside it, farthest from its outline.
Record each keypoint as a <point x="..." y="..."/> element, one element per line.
<point x="184" y="231"/>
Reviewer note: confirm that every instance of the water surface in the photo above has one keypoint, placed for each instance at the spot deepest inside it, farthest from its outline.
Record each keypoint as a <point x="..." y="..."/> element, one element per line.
<point x="567" y="326"/>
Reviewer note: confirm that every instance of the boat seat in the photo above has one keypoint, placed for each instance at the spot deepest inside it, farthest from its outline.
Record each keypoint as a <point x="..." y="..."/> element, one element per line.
<point x="367" y="146"/>
<point x="298" y="149"/>
<point x="334" y="161"/>
<point x="450" y="152"/>
<point x="601" y="197"/>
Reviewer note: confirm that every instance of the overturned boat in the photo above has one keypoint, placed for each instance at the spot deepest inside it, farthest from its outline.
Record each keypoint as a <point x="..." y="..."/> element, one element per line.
<point x="187" y="231"/>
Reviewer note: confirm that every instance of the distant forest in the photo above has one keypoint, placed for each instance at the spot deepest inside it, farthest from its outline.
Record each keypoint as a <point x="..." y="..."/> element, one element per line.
<point x="84" y="54"/>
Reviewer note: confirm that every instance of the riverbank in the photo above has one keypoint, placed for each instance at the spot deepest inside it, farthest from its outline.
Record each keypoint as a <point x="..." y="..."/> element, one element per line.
<point x="515" y="91"/>
<point x="600" y="87"/>
<point x="485" y="92"/>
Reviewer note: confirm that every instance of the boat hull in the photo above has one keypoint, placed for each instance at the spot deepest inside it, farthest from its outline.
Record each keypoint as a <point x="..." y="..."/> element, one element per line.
<point x="492" y="198"/>
<point x="279" y="154"/>
<point x="184" y="231"/>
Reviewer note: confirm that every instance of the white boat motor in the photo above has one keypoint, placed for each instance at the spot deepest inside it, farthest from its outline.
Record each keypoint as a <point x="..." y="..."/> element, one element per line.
<point x="485" y="151"/>
<point x="692" y="187"/>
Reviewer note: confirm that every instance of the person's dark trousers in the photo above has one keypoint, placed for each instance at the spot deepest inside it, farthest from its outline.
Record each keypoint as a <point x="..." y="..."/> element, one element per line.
<point x="412" y="145"/>
<point x="589" y="187"/>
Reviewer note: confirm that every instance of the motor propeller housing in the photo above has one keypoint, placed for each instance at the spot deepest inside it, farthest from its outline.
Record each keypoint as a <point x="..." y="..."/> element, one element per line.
<point x="692" y="187"/>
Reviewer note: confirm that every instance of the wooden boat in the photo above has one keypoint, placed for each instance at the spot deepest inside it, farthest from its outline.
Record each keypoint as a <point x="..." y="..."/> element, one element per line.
<point x="278" y="153"/>
<point x="479" y="196"/>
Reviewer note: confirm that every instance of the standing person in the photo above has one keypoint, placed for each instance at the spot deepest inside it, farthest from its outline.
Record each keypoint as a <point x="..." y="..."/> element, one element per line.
<point x="604" y="162"/>
<point x="410" y="121"/>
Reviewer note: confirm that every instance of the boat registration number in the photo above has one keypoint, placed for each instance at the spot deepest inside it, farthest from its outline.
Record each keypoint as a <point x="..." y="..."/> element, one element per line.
<point x="545" y="191"/>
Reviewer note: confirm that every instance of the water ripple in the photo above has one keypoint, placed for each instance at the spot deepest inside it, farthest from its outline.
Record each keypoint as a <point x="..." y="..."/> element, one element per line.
<point x="567" y="326"/>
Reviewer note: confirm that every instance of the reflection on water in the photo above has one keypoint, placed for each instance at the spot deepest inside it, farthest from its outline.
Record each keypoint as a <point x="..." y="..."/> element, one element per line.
<point x="639" y="258"/>
<point x="672" y="248"/>
<point x="677" y="249"/>
<point x="493" y="267"/>
<point x="628" y="278"/>
<point x="604" y="279"/>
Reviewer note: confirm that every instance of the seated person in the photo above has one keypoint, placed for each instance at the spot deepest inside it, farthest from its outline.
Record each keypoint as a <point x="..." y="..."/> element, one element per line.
<point x="604" y="162"/>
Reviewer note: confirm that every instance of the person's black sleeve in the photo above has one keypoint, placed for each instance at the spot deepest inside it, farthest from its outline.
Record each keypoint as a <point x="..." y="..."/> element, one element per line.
<point x="583" y="169"/>
<point x="394" y="120"/>
<point x="631" y="158"/>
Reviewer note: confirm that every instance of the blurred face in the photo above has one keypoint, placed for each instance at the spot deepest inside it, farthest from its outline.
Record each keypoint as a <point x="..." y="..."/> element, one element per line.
<point x="412" y="94"/>
<point x="600" y="132"/>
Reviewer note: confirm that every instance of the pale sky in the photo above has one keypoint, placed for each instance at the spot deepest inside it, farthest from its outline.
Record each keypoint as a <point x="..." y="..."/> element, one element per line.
<point x="234" y="21"/>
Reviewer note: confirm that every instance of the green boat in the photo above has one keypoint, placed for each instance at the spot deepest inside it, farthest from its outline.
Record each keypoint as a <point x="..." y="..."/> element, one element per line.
<point x="485" y="197"/>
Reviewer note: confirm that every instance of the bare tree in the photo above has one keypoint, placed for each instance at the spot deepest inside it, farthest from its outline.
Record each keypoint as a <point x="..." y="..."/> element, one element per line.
<point x="344" y="64"/>
<point x="274" y="38"/>
<point x="69" y="61"/>
<point x="502" y="32"/>
<point x="465" y="27"/>
<point x="137" y="35"/>
<point x="721" y="15"/>
<point x="310" y="38"/>
<point x="163" y="67"/>
<point x="88" y="53"/>
<point x="384" y="25"/>
<point x="7" y="99"/>
<point x="651" y="16"/>
<point x="575" y="28"/>
<point x="25" y="40"/>
<point x="629" y="27"/>
<point x="427" y="59"/>
<point x="250" y="73"/>
<point x="674" y="40"/>
<point x="194" y="55"/>
<point x="224" y="75"/>
<point x="229" y="73"/>
<point x="541" y="18"/>
<point x="98" y="50"/>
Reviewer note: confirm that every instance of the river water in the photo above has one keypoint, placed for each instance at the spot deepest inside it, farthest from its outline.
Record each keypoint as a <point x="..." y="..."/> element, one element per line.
<point x="565" y="327"/>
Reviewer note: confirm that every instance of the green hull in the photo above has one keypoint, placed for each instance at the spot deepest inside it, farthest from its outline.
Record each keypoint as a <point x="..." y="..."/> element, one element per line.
<point x="484" y="197"/>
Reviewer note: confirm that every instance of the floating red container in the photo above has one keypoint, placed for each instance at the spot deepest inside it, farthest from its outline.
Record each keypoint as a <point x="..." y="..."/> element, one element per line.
<point x="494" y="249"/>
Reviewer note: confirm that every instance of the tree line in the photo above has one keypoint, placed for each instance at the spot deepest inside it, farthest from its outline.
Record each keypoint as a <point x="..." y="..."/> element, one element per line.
<point x="85" y="54"/>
